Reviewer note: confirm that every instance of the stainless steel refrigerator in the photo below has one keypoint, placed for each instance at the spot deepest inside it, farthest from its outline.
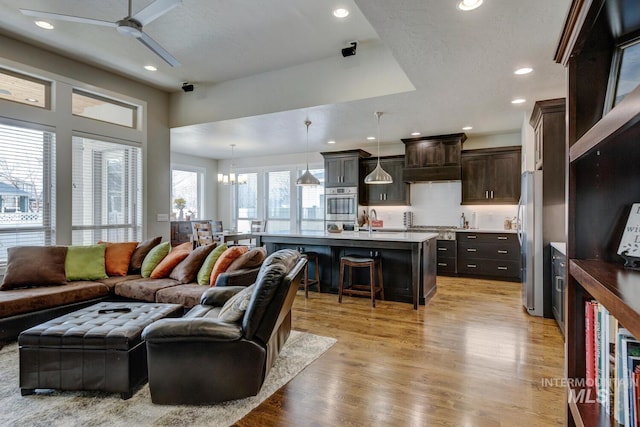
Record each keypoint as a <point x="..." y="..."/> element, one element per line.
<point x="530" y="237"/>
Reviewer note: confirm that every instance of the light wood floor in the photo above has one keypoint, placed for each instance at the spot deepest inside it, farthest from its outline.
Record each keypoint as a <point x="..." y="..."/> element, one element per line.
<point x="470" y="357"/>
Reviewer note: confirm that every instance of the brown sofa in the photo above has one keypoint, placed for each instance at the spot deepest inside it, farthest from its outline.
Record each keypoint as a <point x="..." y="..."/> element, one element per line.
<point x="24" y="307"/>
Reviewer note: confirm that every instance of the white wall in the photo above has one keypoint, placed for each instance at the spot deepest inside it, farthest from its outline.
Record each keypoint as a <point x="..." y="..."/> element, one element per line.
<point x="210" y="184"/>
<point x="156" y="177"/>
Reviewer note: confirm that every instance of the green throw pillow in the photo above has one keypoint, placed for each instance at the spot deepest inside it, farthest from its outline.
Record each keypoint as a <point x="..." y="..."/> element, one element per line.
<point x="204" y="274"/>
<point x="154" y="257"/>
<point x="85" y="263"/>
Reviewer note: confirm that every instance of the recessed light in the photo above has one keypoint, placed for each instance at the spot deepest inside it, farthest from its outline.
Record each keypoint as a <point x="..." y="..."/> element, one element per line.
<point x="518" y="101"/>
<point x="340" y="12"/>
<point x="44" y="24"/>
<point x="371" y="138"/>
<point x="469" y="4"/>
<point x="4" y="92"/>
<point x="523" y="70"/>
<point x="31" y="99"/>
<point x="331" y="142"/>
<point x="150" y="68"/>
<point x="415" y="133"/>
<point x="467" y="128"/>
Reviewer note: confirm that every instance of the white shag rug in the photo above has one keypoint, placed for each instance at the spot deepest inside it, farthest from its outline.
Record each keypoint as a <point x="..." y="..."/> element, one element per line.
<point x="55" y="408"/>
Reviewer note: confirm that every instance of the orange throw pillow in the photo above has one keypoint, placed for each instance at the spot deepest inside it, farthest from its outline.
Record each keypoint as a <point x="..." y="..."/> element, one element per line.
<point x="117" y="257"/>
<point x="174" y="258"/>
<point x="225" y="261"/>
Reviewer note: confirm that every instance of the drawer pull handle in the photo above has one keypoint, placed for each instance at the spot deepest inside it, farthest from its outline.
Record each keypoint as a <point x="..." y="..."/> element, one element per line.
<point x="472" y="266"/>
<point x="442" y="249"/>
<point x="502" y="237"/>
<point x="502" y="251"/>
<point x="502" y="268"/>
<point x="472" y="250"/>
<point x="473" y="236"/>
<point x="442" y="264"/>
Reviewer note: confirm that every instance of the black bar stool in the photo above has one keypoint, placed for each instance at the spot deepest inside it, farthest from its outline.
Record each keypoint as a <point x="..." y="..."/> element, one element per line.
<point x="312" y="257"/>
<point x="374" y="264"/>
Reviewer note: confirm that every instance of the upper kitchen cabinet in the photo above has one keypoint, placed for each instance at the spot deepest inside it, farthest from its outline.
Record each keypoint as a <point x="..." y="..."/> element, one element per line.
<point x="396" y="193"/>
<point x="491" y="176"/>
<point x="342" y="168"/>
<point x="433" y="158"/>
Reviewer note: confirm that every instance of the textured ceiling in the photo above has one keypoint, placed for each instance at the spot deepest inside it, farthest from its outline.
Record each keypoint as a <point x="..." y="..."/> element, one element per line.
<point x="264" y="67"/>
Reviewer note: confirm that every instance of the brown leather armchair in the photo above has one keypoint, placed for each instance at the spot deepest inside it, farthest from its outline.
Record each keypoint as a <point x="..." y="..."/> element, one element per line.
<point x="200" y="359"/>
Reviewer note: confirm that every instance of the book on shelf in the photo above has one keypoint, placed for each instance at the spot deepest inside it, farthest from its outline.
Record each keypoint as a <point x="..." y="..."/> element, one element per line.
<point x="589" y="321"/>
<point x="636" y="392"/>
<point x="627" y="360"/>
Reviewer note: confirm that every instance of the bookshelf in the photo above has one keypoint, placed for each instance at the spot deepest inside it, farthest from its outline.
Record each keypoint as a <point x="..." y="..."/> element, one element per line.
<point x="603" y="168"/>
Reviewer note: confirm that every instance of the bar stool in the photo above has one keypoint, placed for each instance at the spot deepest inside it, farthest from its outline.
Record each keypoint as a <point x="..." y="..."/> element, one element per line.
<point x="312" y="257"/>
<point x="373" y="263"/>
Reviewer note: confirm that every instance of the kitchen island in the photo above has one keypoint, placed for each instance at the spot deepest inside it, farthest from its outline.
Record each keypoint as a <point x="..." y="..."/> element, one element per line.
<point x="408" y="259"/>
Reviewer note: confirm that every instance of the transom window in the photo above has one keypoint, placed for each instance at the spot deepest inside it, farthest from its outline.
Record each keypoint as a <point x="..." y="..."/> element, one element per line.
<point x="25" y="89"/>
<point x="96" y="107"/>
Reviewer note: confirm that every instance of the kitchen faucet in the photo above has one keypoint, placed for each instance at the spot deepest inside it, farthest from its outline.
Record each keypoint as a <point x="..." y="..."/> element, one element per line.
<point x="372" y="215"/>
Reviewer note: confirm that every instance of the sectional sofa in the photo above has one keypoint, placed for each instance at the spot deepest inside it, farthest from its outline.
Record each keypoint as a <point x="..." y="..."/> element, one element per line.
<point x="41" y="283"/>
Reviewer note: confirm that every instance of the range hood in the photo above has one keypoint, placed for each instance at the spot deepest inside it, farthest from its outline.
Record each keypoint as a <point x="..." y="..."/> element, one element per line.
<point x="433" y="158"/>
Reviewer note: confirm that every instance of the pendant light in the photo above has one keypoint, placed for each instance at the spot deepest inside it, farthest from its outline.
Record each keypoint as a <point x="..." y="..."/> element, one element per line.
<point x="307" y="179"/>
<point x="378" y="175"/>
<point x="231" y="177"/>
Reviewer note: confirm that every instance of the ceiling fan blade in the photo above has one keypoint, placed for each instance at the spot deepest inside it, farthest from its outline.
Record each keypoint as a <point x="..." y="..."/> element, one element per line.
<point x="158" y="50"/>
<point x="70" y="18"/>
<point x="155" y="10"/>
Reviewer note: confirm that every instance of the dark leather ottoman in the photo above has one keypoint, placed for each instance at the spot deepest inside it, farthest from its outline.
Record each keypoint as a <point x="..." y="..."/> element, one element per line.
<point x="95" y="348"/>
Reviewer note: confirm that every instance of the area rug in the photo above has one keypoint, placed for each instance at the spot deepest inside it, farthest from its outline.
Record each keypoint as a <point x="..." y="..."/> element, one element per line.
<point x="53" y="408"/>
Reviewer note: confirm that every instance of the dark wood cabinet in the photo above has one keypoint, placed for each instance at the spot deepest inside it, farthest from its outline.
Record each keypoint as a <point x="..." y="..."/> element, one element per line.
<point x="491" y="176"/>
<point x="602" y="167"/>
<point x="396" y="193"/>
<point x="433" y="158"/>
<point x="342" y="168"/>
<point x="548" y="123"/>
<point x="180" y="232"/>
<point x="495" y="255"/>
<point x="446" y="257"/>
<point x="558" y="267"/>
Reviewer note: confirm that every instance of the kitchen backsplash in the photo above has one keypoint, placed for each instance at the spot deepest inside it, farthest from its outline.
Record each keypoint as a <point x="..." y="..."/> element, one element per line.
<point x="438" y="203"/>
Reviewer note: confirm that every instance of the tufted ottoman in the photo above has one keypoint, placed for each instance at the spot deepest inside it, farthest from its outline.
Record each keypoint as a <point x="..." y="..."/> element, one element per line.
<point x="95" y="348"/>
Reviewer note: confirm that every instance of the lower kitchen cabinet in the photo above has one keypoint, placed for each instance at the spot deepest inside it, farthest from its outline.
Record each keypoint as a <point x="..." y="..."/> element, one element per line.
<point x="491" y="255"/>
<point x="558" y="265"/>
<point x="446" y="256"/>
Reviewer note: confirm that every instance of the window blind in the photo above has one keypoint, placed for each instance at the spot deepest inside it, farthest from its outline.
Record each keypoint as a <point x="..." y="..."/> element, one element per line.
<point x="27" y="188"/>
<point x="106" y="193"/>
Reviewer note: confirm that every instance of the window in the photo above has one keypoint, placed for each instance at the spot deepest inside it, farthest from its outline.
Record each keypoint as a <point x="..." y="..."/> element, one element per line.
<point x="106" y="110"/>
<point x="186" y="184"/>
<point x="311" y="204"/>
<point x="27" y="196"/>
<point x="25" y="89"/>
<point x="279" y="201"/>
<point x="106" y="193"/>
<point x="247" y="200"/>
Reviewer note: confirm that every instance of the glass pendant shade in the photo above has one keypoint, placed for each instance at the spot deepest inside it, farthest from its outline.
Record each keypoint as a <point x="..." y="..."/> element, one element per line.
<point x="307" y="178"/>
<point x="378" y="175"/>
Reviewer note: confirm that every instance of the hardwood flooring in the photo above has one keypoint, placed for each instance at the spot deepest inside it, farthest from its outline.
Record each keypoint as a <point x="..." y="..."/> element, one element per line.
<point x="470" y="357"/>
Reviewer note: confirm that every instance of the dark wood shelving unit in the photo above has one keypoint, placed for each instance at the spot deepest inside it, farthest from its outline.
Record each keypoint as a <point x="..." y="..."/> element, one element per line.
<point x="603" y="158"/>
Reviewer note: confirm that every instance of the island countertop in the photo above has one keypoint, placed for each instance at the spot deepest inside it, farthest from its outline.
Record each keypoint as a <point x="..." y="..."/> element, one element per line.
<point x="415" y="237"/>
<point x="408" y="258"/>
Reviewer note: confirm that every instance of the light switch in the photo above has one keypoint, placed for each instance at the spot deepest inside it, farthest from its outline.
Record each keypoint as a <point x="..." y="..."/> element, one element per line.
<point x="162" y="217"/>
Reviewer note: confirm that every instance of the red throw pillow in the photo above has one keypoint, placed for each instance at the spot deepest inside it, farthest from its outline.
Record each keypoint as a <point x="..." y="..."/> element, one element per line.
<point x="118" y="256"/>
<point x="174" y="257"/>
<point x="225" y="261"/>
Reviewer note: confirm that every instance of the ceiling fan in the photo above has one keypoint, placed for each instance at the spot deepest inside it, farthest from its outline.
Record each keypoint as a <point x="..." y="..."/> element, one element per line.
<point x="129" y="25"/>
